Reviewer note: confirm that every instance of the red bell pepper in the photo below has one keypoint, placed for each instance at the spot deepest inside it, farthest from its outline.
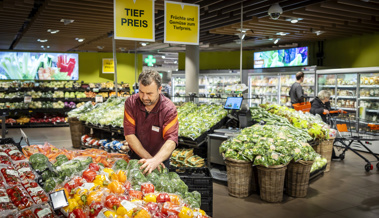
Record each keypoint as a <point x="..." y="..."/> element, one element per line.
<point x="147" y="188"/>
<point x="77" y="213"/>
<point x="163" y="197"/>
<point x="112" y="202"/>
<point x="94" y="166"/>
<point x="66" y="66"/>
<point x="135" y="194"/>
<point x="89" y="175"/>
<point x="94" y="209"/>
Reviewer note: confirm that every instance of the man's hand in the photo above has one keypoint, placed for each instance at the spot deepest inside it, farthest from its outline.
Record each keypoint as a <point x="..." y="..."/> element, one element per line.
<point x="326" y="111"/>
<point x="150" y="164"/>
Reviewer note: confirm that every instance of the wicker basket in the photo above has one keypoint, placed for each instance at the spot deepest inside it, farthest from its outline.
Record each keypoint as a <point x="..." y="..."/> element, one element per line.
<point x="239" y="177"/>
<point x="271" y="182"/>
<point x="297" y="178"/>
<point x="325" y="149"/>
<point x="77" y="130"/>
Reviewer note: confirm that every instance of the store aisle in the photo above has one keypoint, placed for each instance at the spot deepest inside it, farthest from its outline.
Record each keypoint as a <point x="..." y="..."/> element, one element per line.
<point x="346" y="191"/>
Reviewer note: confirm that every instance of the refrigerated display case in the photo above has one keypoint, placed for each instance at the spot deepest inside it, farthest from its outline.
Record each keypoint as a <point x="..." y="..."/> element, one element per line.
<point x="355" y="90"/>
<point x="273" y="85"/>
<point x="211" y="83"/>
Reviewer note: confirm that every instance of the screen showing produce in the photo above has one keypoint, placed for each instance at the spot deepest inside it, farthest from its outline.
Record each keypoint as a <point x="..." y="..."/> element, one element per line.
<point x="281" y="58"/>
<point x="233" y="103"/>
<point x="38" y="66"/>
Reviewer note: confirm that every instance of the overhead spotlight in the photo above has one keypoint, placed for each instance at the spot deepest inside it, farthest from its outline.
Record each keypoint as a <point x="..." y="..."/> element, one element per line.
<point x="276" y="41"/>
<point x="100" y="47"/>
<point x="294" y="20"/>
<point x="67" y="21"/>
<point x="282" y="33"/>
<point x="243" y="30"/>
<point x="241" y="35"/>
<point x="163" y="56"/>
<point x="42" y="40"/>
<point x="275" y="11"/>
<point x="80" y="39"/>
<point x="143" y="43"/>
<point x="52" y="31"/>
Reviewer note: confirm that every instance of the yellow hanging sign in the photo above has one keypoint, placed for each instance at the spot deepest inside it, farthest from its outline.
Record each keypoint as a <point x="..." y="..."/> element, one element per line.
<point x="134" y="20"/>
<point x="108" y="65"/>
<point x="182" y="24"/>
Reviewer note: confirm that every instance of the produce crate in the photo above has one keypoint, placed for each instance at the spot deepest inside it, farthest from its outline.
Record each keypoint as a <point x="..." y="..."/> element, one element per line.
<point x="317" y="173"/>
<point x="198" y="179"/>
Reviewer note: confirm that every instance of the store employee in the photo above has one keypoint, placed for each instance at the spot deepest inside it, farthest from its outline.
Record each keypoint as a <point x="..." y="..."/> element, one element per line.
<point x="151" y="123"/>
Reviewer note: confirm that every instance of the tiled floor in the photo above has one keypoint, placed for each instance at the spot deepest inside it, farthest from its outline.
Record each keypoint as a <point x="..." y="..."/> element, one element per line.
<point x="346" y="191"/>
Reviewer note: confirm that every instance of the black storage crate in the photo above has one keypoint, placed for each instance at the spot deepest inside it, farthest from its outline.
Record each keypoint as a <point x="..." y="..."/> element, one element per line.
<point x="198" y="179"/>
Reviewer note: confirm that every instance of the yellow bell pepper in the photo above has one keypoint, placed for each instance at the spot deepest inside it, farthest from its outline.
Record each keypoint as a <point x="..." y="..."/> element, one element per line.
<point x="116" y="187"/>
<point x="94" y="196"/>
<point x="108" y="170"/>
<point x="100" y="180"/>
<point x="142" y="214"/>
<point x="81" y="196"/>
<point x="110" y="214"/>
<point x="72" y="204"/>
<point x="185" y="213"/>
<point x="121" y="211"/>
<point x="121" y="176"/>
<point x="150" y="198"/>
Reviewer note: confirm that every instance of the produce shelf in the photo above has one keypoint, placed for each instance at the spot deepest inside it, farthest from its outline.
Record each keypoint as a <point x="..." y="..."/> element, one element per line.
<point x="347" y="97"/>
<point x="372" y="111"/>
<point x="370" y="86"/>
<point x="347" y="86"/>
<point x="369" y="98"/>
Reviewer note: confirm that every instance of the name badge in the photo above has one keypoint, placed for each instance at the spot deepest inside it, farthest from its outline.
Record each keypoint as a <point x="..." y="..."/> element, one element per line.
<point x="155" y="128"/>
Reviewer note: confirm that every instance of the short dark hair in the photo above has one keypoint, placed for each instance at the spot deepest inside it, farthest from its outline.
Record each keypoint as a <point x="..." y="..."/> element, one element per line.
<point x="299" y="75"/>
<point x="150" y="76"/>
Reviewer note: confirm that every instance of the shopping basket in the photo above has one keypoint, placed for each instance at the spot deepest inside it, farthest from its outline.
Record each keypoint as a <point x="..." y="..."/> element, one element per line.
<point x="305" y="106"/>
<point x="360" y="132"/>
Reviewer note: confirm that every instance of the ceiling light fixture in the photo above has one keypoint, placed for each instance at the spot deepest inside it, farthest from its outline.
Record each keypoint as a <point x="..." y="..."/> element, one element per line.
<point x="52" y="31"/>
<point x="80" y="39"/>
<point x="42" y="40"/>
<point x="243" y="30"/>
<point x="282" y="33"/>
<point x="100" y="47"/>
<point x="143" y="43"/>
<point x="67" y="21"/>
<point x="163" y="56"/>
<point x="43" y="47"/>
<point x="241" y="35"/>
<point x="294" y="20"/>
<point x="276" y="41"/>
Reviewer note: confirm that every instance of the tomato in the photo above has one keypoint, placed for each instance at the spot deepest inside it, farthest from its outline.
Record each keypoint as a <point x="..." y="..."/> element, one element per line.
<point x="152" y="207"/>
<point x="172" y="216"/>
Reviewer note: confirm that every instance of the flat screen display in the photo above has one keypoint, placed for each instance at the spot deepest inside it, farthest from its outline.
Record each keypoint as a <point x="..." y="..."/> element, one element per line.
<point x="39" y="66"/>
<point x="233" y="103"/>
<point x="289" y="57"/>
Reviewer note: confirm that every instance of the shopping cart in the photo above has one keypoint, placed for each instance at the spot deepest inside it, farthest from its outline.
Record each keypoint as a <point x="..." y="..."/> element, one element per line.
<point x="350" y="131"/>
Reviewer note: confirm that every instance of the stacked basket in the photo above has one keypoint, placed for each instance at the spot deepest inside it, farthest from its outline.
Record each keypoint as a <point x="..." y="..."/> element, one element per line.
<point x="325" y="149"/>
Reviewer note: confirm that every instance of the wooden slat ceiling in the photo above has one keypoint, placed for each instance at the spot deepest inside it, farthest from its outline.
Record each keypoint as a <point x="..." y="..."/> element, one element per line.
<point x="22" y="22"/>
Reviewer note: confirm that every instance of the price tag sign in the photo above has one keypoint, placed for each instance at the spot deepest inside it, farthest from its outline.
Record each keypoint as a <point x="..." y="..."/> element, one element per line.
<point x="27" y="99"/>
<point x="95" y="90"/>
<point x="58" y="199"/>
<point x="99" y="99"/>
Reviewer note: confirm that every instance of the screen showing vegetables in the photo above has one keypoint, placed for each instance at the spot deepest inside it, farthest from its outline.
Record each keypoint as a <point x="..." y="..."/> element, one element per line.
<point x="39" y="66"/>
<point x="281" y="58"/>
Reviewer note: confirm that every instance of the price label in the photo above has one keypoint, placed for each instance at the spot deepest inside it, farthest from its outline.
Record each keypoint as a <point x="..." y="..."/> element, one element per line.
<point x="35" y="190"/>
<point x="3" y="154"/>
<point x="88" y="186"/>
<point x="25" y="169"/>
<point x="128" y="205"/>
<point x="12" y="172"/>
<point x="95" y="90"/>
<point x="56" y="88"/>
<point x="27" y="99"/>
<point x="44" y="212"/>
<point x="4" y="199"/>
<point x="99" y="99"/>
<point x="111" y="88"/>
<point x="14" y="152"/>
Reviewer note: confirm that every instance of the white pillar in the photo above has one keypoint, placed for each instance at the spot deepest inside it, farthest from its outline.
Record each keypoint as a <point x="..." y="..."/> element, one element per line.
<point x="192" y="69"/>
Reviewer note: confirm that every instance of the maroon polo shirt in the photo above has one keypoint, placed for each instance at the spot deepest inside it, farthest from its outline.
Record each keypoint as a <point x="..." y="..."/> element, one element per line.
<point x="152" y="129"/>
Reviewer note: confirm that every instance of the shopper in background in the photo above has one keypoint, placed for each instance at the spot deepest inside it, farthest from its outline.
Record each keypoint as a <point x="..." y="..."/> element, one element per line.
<point x="168" y="89"/>
<point x="151" y="123"/>
<point x="321" y="104"/>
<point x="296" y="92"/>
